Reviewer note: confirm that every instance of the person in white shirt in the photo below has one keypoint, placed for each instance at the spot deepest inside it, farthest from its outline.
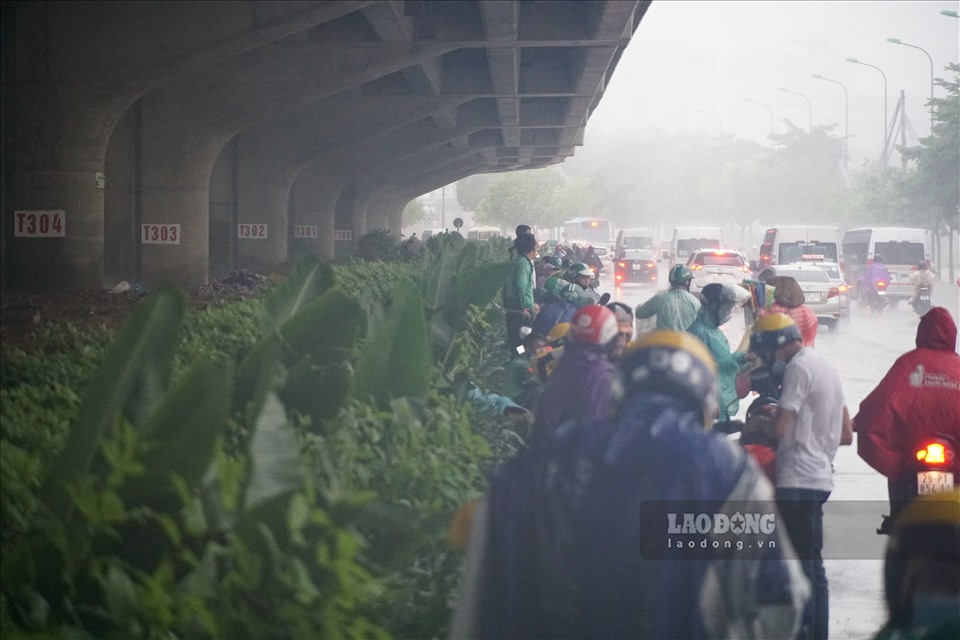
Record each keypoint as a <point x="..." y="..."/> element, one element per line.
<point x="811" y="422"/>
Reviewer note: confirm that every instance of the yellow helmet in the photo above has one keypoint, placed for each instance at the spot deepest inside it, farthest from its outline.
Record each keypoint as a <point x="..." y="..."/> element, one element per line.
<point x="672" y="362"/>
<point x="558" y="331"/>
<point x="771" y="331"/>
<point x="923" y="555"/>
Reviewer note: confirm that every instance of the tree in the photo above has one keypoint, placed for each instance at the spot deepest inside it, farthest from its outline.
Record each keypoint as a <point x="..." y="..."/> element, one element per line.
<point x="472" y="189"/>
<point x="414" y="212"/>
<point x="521" y="197"/>
<point x="935" y="185"/>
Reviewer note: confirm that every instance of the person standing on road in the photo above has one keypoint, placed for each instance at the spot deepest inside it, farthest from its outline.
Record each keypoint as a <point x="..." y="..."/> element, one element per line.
<point x="676" y="308"/>
<point x="917" y="398"/>
<point x="717" y="302"/>
<point x="811" y="422"/>
<point x="518" y="291"/>
<point x="788" y="299"/>
<point x="566" y="542"/>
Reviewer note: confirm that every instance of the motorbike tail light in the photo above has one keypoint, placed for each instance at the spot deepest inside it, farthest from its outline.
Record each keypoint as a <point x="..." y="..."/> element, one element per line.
<point x="933" y="453"/>
<point x="696" y="267"/>
<point x="833" y="293"/>
<point x="881" y="285"/>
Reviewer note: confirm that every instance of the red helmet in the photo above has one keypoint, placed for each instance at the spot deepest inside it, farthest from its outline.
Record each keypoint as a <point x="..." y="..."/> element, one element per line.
<point x="593" y="324"/>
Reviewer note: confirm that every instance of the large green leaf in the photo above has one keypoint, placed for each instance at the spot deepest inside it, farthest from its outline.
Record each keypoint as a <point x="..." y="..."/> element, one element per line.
<point x="326" y="328"/>
<point x="260" y="372"/>
<point x="131" y="380"/>
<point x="396" y="361"/>
<point x="439" y="276"/>
<point x="274" y="455"/>
<point x="480" y="285"/>
<point x="317" y="391"/>
<point x="181" y="434"/>
<point x="310" y="278"/>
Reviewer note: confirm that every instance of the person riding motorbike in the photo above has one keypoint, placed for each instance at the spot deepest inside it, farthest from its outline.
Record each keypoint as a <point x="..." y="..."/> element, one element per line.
<point x="676" y="308"/>
<point x="624" y="315"/>
<point x="581" y="277"/>
<point x="917" y="399"/>
<point x="921" y="571"/>
<point x="876" y="272"/>
<point x="922" y="277"/>
<point x="717" y="302"/>
<point x="580" y="385"/>
<point x="563" y="545"/>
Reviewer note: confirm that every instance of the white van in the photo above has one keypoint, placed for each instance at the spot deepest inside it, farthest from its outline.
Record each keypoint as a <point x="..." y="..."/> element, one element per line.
<point x="900" y="248"/>
<point x="686" y="240"/>
<point x="482" y="233"/>
<point x="792" y="244"/>
<point x="640" y="238"/>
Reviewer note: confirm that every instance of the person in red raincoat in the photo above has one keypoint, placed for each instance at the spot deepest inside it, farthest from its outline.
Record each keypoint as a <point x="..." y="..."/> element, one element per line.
<point x="918" y="398"/>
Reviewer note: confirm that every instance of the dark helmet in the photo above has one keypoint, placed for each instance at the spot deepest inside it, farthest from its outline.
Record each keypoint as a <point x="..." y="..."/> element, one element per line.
<point x="554" y="260"/>
<point x="719" y="300"/>
<point x="923" y="555"/>
<point x="679" y="274"/>
<point x="922" y="265"/>
<point x="671" y="362"/>
<point x="877" y="257"/>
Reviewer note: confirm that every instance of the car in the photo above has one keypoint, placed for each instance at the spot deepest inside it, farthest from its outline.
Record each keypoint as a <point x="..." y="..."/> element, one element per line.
<point x="835" y="274"/>
<point x="604" y="253"/>
<point x="716" y="265"/>
<point x="821" y="295"/>
<point x="636" y="266"/>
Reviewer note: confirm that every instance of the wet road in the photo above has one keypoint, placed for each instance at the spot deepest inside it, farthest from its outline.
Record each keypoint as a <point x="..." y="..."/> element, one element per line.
<point x="862" y="350"/>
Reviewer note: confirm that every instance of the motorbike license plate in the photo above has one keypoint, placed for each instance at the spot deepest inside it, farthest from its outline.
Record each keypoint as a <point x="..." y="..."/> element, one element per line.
<point x="924" y="297"/>
<point x="934" y="482"/>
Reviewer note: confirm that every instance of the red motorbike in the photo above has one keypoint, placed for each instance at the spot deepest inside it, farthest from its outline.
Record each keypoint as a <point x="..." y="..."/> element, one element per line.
<point x="932" y="468"/>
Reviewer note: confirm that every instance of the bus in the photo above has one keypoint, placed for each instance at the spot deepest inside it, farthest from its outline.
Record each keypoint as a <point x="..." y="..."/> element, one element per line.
<point x="589" y="230"/>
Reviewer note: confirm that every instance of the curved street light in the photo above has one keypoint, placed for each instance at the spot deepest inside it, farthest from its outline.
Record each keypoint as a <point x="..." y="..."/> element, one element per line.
<point x="768" y="108"/>
<point x="809" y="106"/>
<point x="885" y="134"/>
<point x="951" y="14"/>
<point x="846" y="112"/>
<point x="927" y="53"/>
<point x="712" y="115"/>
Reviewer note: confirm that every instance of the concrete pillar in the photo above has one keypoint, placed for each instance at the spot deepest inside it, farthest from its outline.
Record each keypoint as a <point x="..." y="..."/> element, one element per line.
<point x="187" y="123"/>
<point x="273" y="154"/>
<point x="79" y="66"/>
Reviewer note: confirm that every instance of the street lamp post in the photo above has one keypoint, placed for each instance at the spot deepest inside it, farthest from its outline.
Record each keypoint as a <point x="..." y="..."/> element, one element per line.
<point x="768" y="108"/>
<point x="885" y="134"/>
<point x="846" y="113"/>
<point x="951" y="14"/>
<point x="809" y="106"/>
<point x="913" y="46"/>
<point x="712" y="115"/>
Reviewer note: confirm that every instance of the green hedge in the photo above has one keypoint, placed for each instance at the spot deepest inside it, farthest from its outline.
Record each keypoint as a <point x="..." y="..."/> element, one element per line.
<point x="283" y="466"/>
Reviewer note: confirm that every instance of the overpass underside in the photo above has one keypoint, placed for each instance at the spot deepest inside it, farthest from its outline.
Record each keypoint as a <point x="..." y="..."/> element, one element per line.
<point x="168" y="141"/>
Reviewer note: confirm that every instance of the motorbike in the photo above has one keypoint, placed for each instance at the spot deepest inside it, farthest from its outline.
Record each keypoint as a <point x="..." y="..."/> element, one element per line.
<point x="756" y="435"/>
<point x="922" y="303"/>
<point x="875" y="299"/>
<point x="932" y="468"/>
<point x="596" y="276"/>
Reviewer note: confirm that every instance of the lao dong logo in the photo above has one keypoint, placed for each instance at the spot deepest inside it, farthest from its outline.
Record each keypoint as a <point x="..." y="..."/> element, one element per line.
<point x="719" y="524"/>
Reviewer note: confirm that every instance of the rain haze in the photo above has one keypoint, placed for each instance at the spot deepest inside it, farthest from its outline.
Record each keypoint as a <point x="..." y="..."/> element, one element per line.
<point x="690" y="66"/>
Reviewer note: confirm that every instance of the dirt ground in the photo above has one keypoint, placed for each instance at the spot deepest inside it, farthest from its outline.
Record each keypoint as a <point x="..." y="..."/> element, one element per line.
<point x="22" y="314"/>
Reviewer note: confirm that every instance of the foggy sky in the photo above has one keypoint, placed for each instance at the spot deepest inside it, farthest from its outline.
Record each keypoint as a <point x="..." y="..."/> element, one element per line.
<point x="708" y="56"/>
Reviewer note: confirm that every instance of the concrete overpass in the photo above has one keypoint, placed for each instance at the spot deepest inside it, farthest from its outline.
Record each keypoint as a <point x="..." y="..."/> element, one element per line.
<point x="155" y="141"/>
